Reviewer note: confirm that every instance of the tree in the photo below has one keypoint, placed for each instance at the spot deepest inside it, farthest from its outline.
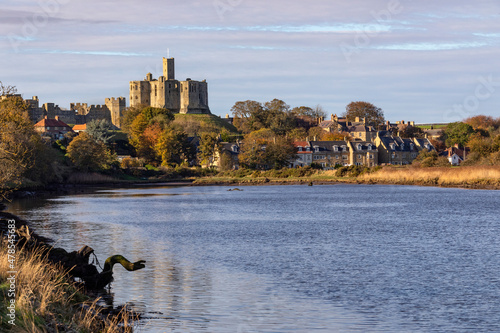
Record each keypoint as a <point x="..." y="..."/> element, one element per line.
<point x="483" y="122"/>
<point x="209" y="144"/>
<point x="458" y="133"/>
<point x="411" y="132"/>
<point x="373" y="115"/>
<point x="248" y="116"/>
<point x="129" y="116"/>
<point x="315" y="133"/>
<point x="19" y="143"/>
<point x="279" y="153"/>
<point x="252" y="155"/>
<point x="297" y="134"/>
<point x="174" y="148"/>
<point x="100" y="130"/>
<point x="7" y="90"/>
<point x="430" y="159"/>
<point x="483" y="146"/>
<point x="153" y="120"/>
<point x="88" y="154"/>
<point x="326" y="136"/>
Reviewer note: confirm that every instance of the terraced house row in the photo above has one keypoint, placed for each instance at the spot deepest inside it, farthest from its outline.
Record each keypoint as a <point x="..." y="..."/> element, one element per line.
<point x="384" y="149"/>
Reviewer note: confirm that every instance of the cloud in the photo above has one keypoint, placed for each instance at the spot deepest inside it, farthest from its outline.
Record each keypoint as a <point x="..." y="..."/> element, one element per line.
<point x="423" y="57"/>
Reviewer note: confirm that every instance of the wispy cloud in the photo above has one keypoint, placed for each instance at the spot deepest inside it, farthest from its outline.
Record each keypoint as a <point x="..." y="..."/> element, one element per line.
<point x="432" y="46"/>
<point x="96" y="53"/>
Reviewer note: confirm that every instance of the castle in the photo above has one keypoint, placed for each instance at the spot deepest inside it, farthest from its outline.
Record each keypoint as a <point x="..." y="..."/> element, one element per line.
<point x="188" y="96"/>
<point x="79" y="113"/>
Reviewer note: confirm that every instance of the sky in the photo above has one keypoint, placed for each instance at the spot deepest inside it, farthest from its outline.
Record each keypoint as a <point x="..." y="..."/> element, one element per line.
<point x="417" y="60"/>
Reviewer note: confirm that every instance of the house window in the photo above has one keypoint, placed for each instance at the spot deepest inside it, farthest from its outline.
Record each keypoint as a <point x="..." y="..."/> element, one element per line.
<point x="369" y="147"/>
<point x="337" y="157"/>
<point x="344" y="157"/>
<point x="360" y="157"/>
<point x="308" y="149"/>
<point x="392" y="146"/>
<point x="335" y="148"/>
<point x="370" y="156"/>
<point x="300" y="148"/>
<point x="360" y="147"/>
<point x="316" y="149"/>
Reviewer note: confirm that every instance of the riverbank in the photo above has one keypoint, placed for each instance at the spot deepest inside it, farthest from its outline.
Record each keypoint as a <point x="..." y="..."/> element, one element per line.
<point x="38" y="295"/>
<point x="475" y="177"/>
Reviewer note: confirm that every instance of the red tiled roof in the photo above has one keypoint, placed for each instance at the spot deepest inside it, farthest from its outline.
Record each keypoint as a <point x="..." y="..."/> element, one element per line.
<point x="80" y="127"/>
<point x="51" y="123"/>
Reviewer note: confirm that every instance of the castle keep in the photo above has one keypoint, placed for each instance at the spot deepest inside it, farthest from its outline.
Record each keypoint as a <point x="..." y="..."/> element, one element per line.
<point x="166" y="92"/>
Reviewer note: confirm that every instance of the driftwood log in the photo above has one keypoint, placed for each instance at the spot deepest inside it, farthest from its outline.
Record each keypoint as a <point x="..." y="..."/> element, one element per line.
<point x="76" y="263"/>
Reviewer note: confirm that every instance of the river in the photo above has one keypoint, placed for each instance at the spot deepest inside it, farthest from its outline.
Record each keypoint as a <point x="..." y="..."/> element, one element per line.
<point x="331" y="258"/>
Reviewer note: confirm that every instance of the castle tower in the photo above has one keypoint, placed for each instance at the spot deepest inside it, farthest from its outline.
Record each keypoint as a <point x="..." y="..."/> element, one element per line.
<point x="168" y="68"/>
<point x="116" y="107"/>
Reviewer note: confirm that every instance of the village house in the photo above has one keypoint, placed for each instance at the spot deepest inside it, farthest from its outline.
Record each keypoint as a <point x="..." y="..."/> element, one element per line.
<point x="228" y="153"/>
<point x="362" y="132"/>
<point x="304" y="154"/>
<point x="53" y="128"/>
<point x="334" y="125"/>
<point x="363" y="153"/>
<point x="330" y="153"/>
<point x="399" y="151"/>
<point x="456" y="155"/>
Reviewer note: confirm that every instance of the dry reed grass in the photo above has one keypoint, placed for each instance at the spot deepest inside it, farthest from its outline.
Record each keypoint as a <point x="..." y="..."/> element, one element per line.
<point x="46" y="300"/>
<point x="462" y="176"/>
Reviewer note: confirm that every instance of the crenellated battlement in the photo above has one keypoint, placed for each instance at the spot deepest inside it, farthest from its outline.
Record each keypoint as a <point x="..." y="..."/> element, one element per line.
<point x="189" y="96"/>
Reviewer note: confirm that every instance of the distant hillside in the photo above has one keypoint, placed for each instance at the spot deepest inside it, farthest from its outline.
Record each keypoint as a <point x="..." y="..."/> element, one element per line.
<point x="195" y="123"/>
<point x="433" y="126"/>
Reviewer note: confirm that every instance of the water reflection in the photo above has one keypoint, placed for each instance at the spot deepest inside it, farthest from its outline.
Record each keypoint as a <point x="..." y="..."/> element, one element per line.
<point x="294" y="258"/>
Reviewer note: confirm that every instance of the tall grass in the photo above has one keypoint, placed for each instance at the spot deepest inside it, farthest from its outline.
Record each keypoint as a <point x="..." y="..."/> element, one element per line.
<point x="46" y="300"/>
<point x="462" y="176"/>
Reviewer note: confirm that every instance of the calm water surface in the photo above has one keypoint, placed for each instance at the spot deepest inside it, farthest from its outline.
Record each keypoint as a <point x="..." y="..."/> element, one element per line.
<point x="339" y="258"/>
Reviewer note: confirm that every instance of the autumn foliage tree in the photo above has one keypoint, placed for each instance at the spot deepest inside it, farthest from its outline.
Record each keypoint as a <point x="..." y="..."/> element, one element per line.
<point x="373" y="115"/>
<point x="87" y="154"/>
<point x="174" y="148"/>
<point x="262" y="149"/>
<point x="22" y="152"/>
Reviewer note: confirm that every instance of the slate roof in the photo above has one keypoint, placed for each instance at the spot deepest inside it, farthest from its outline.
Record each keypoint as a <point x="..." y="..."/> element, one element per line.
<point x="399" y="144"/>
<point x="364" y="146"/>
<point x="327" y="146"/>
<point x="423" y="142"/>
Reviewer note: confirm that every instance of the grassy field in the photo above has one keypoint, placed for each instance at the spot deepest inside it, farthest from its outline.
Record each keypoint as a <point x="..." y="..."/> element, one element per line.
<point x="435" y="126"/>
<point x="207" y="119"/>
